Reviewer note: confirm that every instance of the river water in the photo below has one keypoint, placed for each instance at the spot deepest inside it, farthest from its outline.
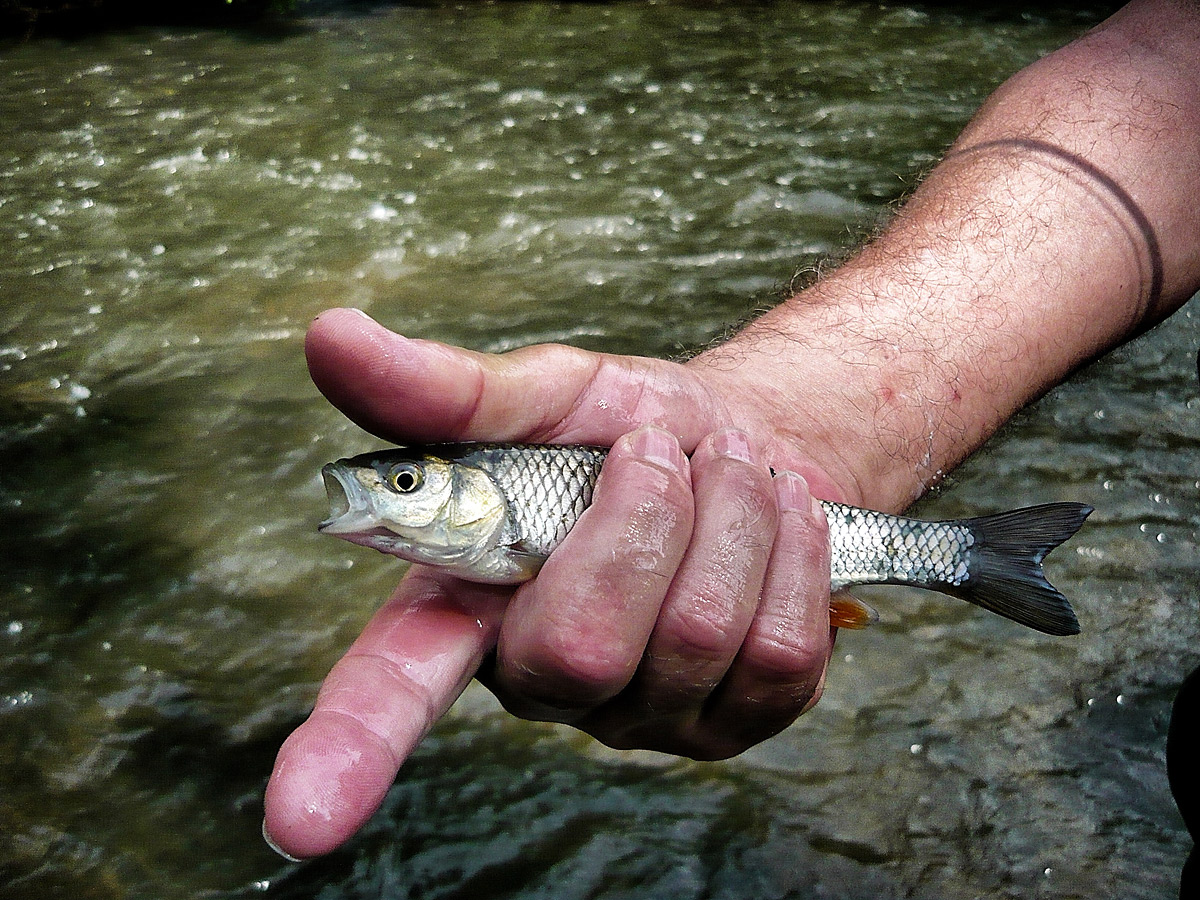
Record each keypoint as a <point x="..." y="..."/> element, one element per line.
<point x="175" y="205"/>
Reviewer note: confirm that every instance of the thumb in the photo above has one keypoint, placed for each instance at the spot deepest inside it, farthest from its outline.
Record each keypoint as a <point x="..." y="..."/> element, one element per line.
<point x="405" y="389"/>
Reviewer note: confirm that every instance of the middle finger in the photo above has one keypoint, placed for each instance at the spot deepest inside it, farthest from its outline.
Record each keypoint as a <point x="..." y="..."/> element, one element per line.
<point x="715" y="592"/>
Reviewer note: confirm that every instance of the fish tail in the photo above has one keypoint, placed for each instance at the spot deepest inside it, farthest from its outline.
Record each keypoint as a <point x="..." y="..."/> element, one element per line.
<point x="1006" y="574"/>
<point x="846" y="611"/>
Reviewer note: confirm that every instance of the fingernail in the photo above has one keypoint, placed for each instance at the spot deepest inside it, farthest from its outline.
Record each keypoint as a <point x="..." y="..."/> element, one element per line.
<point x="355" y="309"/>
<point x="791" y="491"/>
<point x="274" y="846"/>
<point x="658" y="446"/>
<point x="734" y="444"/>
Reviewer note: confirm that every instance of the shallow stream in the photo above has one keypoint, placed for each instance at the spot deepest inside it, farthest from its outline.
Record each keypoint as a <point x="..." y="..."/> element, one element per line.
<point x="176" y="205"/>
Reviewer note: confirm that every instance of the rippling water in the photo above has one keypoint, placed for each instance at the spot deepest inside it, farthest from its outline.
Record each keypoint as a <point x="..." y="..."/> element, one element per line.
<point x="176" y="205"/>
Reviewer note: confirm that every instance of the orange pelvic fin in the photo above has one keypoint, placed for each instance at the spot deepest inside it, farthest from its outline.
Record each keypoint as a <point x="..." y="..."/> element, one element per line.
<point x="846" y="611"/>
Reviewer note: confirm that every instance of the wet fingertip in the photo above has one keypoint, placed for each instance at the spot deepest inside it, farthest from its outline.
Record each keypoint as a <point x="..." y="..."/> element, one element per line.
<point x="792" y="492"/>
<point x="659" y="447"/>
<point x="733" y="443"/>
<point x="274" y="846"/>
<point x="338" y="311"/>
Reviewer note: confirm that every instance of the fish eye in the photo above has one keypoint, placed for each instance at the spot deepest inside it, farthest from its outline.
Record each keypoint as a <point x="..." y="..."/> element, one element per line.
<point x="405" y="478"/>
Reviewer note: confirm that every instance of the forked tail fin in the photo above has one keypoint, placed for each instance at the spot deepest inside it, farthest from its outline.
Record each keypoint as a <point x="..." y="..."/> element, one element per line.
<point x="1005" y="569"/>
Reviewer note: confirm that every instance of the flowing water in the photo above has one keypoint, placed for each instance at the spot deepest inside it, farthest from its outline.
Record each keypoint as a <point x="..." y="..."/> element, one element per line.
<point x="175" y="205"/>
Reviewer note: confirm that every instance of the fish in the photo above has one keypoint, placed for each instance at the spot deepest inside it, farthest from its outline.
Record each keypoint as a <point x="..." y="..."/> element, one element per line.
<point x="494" y="513"/>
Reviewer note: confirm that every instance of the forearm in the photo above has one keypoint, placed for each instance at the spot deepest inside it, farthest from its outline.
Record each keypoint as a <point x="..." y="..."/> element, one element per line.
<point x="1063" y="220"/>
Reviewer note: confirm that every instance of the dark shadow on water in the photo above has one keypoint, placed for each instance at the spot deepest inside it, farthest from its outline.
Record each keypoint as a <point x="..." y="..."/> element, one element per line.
<point x="275" y="19"/>
<point x="498" y="809"/>
<point x="97" y="742"/>
<point x="49" y="458"/>
<point x="24" y="20"/>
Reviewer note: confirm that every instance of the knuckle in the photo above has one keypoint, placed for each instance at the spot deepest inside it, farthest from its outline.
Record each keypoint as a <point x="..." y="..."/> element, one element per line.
<point x="755" y="507"/>
<point x="644" y="528"/>
<point x="668" y="501"/>
<point x="806" y="538"/>
<point x="708" y="629"/>
<point x="653" y="539"/>
<point x="567" y="672"/>
<point x="379" y="698"/>
<point x="743" y="489"/>
<point x="776" y="661"/>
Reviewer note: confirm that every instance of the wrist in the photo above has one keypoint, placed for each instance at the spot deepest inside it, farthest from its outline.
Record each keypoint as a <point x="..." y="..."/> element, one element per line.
<point x="883" y="387"/>
<point x="855" y="416"/>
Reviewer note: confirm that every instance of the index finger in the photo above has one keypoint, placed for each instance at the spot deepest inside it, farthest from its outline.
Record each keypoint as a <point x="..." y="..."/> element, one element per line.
<point x="415" y="657"/>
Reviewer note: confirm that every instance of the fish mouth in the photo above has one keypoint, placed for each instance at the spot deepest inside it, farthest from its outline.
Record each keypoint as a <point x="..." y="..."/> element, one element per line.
<point x="350" y="508"/>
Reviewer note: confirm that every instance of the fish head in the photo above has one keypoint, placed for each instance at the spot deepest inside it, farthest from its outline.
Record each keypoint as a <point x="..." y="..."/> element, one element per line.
<point x="415" y="506"/>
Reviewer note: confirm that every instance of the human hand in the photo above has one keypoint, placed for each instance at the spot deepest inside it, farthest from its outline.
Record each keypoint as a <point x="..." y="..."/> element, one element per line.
<point x="687" y="611"/>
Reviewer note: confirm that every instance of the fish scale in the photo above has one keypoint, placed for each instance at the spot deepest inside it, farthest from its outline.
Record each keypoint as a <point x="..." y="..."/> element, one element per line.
<point x="870" y="547"/>
<point x="546" y="493"/>
<point x="511" y="505"/>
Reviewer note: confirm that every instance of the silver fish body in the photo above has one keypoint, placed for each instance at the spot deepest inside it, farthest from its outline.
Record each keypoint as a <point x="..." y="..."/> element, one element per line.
<point x="495" y="512"/>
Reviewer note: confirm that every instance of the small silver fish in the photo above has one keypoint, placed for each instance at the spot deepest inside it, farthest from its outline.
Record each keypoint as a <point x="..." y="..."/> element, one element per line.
<point x="494" y="513"/>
